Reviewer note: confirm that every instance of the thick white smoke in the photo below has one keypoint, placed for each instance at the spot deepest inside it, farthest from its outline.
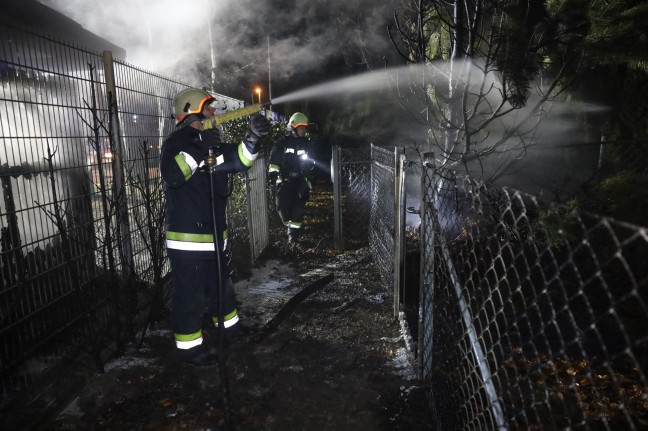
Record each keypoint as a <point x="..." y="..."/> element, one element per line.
<point x="178" y="39"/>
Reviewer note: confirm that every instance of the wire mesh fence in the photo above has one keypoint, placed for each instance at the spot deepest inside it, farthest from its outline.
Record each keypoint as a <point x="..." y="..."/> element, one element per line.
<point x="616" y="156"/>
<point x="248" y="217"/>
<point x="381" y="230"/>
<point x="533" y="316"/>
<point x="82" y="255"/>
<point x="46" y="215"/>
<point x="352" y="168"/>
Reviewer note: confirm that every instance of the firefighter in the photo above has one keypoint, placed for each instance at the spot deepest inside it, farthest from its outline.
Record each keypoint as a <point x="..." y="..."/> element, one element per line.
<point x="190" y="222"/>
<point x="290" y="167"/>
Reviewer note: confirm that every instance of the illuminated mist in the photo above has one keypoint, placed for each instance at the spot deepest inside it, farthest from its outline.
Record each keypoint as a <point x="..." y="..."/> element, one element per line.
<point x="173" y="38"/>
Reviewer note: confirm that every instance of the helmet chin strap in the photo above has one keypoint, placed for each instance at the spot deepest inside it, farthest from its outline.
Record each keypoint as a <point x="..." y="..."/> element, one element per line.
<point x="189" y="119"/>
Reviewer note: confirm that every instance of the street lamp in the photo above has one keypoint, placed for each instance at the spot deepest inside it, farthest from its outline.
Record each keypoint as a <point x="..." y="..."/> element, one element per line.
<point x="258" y="91"/>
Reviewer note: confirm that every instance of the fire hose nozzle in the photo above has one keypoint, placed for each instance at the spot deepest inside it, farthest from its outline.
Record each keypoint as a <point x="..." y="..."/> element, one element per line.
<point x="211" y="159"/>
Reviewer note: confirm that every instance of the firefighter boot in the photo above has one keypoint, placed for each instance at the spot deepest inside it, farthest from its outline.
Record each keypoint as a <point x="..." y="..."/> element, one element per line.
<point x="198" y="356"/>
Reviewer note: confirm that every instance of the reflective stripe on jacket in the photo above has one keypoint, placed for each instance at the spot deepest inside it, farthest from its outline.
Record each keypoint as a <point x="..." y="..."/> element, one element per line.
<point x="189" y="224"/>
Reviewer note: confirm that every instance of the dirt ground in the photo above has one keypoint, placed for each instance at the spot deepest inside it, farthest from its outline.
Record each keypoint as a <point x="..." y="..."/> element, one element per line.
<point x="336" y="360"/>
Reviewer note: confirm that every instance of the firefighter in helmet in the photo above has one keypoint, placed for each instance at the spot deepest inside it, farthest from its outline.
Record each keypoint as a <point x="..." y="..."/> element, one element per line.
<point x="190" y="221"/>
<point x="290" y="167"/>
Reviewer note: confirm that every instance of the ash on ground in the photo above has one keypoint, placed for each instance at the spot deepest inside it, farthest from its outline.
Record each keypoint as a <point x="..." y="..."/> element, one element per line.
<point x="337" y="360"/>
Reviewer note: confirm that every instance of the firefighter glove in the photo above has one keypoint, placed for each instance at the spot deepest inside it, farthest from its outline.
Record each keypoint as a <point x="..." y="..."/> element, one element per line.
<point x="197" y="149"/>
<point x="211" y="137"/>
<point x="259" y="125"/>
<point x="272" y="177"/>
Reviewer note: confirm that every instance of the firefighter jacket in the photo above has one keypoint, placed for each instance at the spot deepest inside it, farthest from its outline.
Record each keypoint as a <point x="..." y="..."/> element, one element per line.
<point x="189" y="223"/>
<point x="292" y="159"/>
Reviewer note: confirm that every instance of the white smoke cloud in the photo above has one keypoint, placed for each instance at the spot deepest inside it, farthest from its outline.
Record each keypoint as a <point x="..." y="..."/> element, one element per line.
<point x="155" y="34"/>
<point x="172" y="38"/>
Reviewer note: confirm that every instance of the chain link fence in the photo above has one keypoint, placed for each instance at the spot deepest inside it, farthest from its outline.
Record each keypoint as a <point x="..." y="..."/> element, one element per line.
<point x="381" y="232"/>
<point x="617" y="156"/>
<point x="533" y="316"/>
<point x="352" y="194"/>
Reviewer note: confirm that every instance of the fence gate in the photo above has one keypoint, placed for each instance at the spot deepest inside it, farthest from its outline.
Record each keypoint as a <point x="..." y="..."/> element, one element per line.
<point x="387" y="218"/>
<point x="257" y="208"/>
<point x="351" y="194"/>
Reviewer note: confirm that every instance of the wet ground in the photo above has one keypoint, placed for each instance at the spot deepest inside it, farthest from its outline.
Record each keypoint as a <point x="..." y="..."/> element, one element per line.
<point x="331" y="357"/>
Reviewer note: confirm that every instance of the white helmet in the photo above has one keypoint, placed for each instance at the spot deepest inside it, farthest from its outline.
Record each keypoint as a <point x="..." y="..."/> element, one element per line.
<point x="190" y="101"/>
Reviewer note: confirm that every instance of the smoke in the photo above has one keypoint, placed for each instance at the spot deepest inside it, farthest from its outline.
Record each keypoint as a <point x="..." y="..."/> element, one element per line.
<point x="311" y="43"/>
<point x="301" y="39"/>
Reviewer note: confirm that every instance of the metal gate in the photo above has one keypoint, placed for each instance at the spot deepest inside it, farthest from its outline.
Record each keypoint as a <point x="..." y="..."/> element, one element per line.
<point x="257" y="208"/>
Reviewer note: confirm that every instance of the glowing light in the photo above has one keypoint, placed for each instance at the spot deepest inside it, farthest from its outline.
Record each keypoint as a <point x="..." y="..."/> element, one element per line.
<point x="258" y="92"/>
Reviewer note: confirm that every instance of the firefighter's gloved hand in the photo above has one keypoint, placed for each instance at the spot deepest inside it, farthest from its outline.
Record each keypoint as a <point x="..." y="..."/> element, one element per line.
<point x="196" y="151"/>
<point x="272" y="182"/>
<point x="272" y="177"/>
<point x="259" y="125"/>
<point x="211" y="137"/>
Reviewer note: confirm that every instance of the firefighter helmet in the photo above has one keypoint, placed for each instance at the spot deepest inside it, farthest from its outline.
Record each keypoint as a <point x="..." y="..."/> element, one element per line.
<point x="298" y="119"/>
<point x="190" y="101"/>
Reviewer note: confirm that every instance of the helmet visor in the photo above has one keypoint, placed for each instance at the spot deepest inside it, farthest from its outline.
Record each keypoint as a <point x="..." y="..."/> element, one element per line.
<point x="203" y="103"/>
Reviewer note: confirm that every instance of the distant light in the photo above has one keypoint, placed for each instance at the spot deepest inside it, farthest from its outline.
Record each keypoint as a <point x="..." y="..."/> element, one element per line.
<point x="304" y="156"/>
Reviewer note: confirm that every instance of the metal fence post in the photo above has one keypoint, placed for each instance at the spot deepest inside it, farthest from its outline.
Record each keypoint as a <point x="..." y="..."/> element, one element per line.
<point x="399" y="226"/>
<point x="336" y="173"/>
<point x="119" y="181"/>
<point x="601" y="158"/>
<point x="426" y="269"/>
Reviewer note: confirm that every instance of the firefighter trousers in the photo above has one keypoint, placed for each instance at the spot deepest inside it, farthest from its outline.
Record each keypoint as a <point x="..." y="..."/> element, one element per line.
<point x="195" y="292"/>
<point x="291" y="200"/>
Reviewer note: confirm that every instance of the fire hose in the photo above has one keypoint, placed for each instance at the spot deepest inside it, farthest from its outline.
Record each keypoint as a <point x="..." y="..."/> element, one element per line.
<point x="287" y="309"/>
<point x="210" y="161"/>
<point x="290" y="306"/>
<point x="235" y="114"/>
